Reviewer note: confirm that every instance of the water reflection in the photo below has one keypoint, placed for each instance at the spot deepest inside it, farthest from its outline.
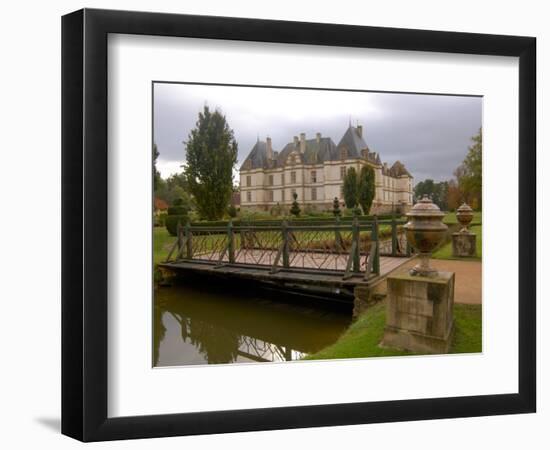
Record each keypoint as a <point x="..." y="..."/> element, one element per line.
<point x="205" y="324"/>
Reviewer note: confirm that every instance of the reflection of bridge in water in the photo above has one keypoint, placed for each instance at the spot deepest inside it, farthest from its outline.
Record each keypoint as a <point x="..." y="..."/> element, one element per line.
<point x="258" y="350"/>
<point x="327" y="258"/>
<point x="195" y="324"/>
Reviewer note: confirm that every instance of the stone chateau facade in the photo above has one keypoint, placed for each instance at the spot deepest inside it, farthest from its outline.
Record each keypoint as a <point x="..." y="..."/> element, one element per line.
<point x="315" y="170"/>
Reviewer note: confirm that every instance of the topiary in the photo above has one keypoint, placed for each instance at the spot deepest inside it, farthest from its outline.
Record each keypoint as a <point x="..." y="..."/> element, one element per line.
<point x="176" y="213"/>
<point x="232" y="211"/>
<point x="295" y="208"/>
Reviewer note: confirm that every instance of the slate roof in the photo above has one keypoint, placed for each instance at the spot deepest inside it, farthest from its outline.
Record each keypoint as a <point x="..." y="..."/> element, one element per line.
<point x="317" y="151"/>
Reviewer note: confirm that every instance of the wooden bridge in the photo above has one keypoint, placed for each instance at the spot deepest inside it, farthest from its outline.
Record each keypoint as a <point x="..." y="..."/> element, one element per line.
<point x="327" y="259"/>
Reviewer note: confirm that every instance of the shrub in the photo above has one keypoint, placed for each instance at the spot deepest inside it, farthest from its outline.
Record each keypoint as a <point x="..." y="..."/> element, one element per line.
<point x="178" y="212"/>
<point x="276" y="210"/>
<point x="232" y="211"/>
<point x="295" y="209"/>
<point x="171" y="223"/>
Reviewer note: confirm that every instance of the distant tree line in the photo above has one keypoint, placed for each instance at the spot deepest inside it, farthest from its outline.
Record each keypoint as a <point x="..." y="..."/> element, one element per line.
<point x="465" y="186"/>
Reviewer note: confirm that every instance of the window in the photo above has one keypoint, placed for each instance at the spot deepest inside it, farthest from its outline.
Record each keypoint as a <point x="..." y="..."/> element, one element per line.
<point x="341" y="191"/>
<point x="292" y="159"/>
<point x="270" y="180"/>
<point x="313" y="193"/>
<point x="283" y="179"/>
<point x="314" y="176"/>
<point x="292" y="177"/>
<point x="293" y="191"/>
<point x="249" y="196"/>
<point x="342" y="172"/>
<point x="283" y="195"/>
<point x="343" y="153"/>
<point x="269" y="196"/>
<point x="248" y="180"/>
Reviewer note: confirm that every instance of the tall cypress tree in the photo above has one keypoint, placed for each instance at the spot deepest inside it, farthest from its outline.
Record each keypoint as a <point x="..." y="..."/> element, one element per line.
<point x="350" y="188"/>
<point x="365" y="188"/>
<point x="211" y="156"/>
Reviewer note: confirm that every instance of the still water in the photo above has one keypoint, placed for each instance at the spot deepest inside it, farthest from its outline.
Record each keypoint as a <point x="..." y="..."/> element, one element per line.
<point x="212" y="324"/>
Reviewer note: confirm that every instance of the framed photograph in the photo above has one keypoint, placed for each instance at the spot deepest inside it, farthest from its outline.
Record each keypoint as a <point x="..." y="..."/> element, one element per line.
<point x="273" y="224"/>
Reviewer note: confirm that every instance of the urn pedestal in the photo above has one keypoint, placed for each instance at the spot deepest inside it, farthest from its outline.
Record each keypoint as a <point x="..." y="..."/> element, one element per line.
<point x="464" y="244"/>
<point x="419" y="313"/>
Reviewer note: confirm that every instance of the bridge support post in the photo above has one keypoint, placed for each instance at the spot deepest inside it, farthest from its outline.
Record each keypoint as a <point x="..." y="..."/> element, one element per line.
<point x="393" y="235"/>
<point x="356" y="238"/>
<point x="188" y="242"/>
<point x="374" y="238"/>
<point x="230" y="242"/>
<point x="284" y="230"/>
<point x="179" y="233"/>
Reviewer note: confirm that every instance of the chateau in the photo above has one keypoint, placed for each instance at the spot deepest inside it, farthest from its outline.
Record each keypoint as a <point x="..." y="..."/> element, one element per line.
<point x="315" y="170"/>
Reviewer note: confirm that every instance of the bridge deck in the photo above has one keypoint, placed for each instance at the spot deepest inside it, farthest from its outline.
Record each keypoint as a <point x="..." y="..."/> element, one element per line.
<point x="329" y="280"/>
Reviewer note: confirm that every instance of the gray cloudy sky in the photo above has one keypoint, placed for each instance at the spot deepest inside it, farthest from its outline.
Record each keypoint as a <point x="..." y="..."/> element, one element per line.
<point x="430" y="134"/>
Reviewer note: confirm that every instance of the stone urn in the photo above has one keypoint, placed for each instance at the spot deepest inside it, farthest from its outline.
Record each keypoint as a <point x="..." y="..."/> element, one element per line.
<point x="464" y="215"/>
<point x="425" y="230"/>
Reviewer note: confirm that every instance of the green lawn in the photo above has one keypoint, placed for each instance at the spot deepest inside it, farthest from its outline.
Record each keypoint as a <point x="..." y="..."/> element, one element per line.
<point x="162" y="243"/>
<point x="361" y="339"/>
<point x="446" y="251"/>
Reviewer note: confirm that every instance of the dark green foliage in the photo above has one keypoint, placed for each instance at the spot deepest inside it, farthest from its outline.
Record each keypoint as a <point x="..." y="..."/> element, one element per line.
<point x="365" y="188"/>
<point x="171" y="223"/>
<point x="211" y="152"/>
<point x="336" y="207"/>
<point x="350" y="188"/>
<point x="438" y="192"/>
<point x="232" y="211"/>
<point x="469" y="173"/>
<point x="177" y="212"/>
<point x="157" y="180"/>
<point x="295" y="208"/>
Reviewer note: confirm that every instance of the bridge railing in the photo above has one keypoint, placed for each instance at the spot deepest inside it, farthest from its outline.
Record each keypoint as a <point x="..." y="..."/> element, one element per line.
<point x="350" y="248"/>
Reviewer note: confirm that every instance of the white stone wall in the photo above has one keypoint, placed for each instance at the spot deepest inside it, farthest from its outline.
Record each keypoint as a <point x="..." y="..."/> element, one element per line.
<point x="389" y="192"/>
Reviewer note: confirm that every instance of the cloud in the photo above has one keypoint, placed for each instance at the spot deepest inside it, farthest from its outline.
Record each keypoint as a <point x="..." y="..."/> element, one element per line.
<point x="430" y="134"/>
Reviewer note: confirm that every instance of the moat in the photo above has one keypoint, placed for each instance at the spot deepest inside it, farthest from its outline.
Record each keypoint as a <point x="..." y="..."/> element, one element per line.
<point x="213" y="323"/>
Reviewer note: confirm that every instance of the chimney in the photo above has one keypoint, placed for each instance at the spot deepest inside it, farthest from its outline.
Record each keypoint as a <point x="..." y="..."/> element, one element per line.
<point x="296" y="141"/>
<point x="360" y="130"/>
<point x="318" y="135"/>
<point x="269" y="148"/>
<point x="302" y="142"/>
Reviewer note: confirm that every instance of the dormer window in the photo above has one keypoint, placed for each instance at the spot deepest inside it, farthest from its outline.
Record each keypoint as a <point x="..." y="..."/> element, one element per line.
<point x="344" y="153"/>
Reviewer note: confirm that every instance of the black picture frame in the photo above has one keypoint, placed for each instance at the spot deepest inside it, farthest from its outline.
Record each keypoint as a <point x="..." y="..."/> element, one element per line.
<point x="84" y="224"/>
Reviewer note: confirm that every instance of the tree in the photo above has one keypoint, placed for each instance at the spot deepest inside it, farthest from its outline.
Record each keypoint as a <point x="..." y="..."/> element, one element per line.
<point x="336" y="207"/>
<point x="365" y="188"/>
<point x="211" y="155"/>
<point x="436" y="191"/>
<point x="295" y="208"/>
<point x="454" y="196"/>
<point x="469" y="172"/>
<point x="350" y="188"/>
<point x="157" y="180"/>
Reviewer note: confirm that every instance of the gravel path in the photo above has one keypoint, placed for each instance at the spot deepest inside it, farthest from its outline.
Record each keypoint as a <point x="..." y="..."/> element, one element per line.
<point x="467" y="278"/>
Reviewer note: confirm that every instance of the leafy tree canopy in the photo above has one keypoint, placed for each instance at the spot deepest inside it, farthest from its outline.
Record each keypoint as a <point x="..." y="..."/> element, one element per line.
<point x="211" y="156"/>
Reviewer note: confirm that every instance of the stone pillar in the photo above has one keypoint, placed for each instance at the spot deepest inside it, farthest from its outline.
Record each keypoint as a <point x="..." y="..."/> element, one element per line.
<point x="419" y="315"/>
<point x="464" y="244"/>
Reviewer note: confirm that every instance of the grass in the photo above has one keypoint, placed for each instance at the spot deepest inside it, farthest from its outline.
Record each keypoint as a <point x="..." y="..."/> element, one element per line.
<point x="361" y="339"/>
<point x="446" y="251"/>
<point x="162" y="243"/>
